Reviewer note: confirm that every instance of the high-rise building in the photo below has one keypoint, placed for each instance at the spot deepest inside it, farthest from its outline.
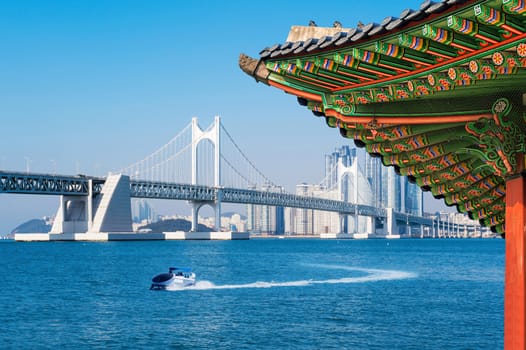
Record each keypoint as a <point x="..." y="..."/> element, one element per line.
<point x="142" y="211"/>
<point x="264" y="218"/>
<point x="383" y="186"/>
<point x="308" y="221"/>
<point x="360" y="178"/>
<point x="303" y="218"/>
<point x="350" y="175"/>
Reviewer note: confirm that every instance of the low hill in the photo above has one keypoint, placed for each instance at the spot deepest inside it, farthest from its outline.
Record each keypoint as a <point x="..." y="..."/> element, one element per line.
<point x="32" y="226"/>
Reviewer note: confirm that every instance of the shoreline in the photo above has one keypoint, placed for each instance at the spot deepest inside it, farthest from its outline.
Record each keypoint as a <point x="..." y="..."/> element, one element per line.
<point x="259" y="236"/>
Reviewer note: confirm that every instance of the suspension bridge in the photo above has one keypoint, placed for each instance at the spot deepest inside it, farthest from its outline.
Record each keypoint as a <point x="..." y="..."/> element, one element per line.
<point x="200" y="166"/>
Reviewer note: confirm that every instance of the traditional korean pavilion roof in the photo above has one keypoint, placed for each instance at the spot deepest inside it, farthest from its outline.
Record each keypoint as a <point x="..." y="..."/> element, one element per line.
<point x="436" y="92"/>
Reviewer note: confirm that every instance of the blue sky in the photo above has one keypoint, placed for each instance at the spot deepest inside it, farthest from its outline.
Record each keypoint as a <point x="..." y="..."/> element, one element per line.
<point x="96" y="85"/>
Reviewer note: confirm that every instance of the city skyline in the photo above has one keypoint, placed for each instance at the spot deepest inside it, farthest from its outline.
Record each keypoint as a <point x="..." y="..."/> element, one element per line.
<point x="91" y="87"/>
<point x="350" y="175"/>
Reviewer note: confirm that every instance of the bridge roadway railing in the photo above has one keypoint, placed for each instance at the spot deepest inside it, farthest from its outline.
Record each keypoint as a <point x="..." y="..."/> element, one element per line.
<point x="163" y="190"/>
<point x="233" y="195"/>
<point x="414" y="219"/>
<point x="25" y="183"/>
<point x="48" y="184"/>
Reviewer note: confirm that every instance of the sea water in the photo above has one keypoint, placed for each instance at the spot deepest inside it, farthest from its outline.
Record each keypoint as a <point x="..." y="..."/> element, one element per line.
<point x="256" y="294"/>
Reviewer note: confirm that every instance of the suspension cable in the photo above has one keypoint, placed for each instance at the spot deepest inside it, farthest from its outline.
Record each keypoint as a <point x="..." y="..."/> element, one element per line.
<point x="246" y="158"/>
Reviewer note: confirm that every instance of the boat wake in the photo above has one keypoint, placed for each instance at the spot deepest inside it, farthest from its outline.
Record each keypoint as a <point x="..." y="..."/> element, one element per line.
<point x="366" y="275"/>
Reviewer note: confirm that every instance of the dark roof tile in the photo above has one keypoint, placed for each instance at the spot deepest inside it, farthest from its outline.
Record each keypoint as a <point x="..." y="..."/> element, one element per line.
<point x="437" y="8"/>
<point x="339" y="35"/>
<point x="281" y="49"/>
<point x="366" y="28"/>
<point x="425" y="4"/>
<point x="286" y="51"/>
<point x="309" y="42"/>
<point x="313" y="47"/>
<point x="427" y="7"/>
<point x="416" y="15"/>
<point x="264" y="54"/>
<point x="275" y="53"/>
<point x="296" y="45"/>
<point x="324" y="39"/>
<point x="358" y="36"/>
<point x="264" y="50"/>
<point x="352" y="31"/>
<point x="300" y="48"/>
<point x="274" y="47"/>
<point x="346" y="38"/>
<point x="388" y="20"/>
<point x="377" y="30"/>
<point x="394" y="24"/>
<point x="342" y="41"/>
<point x="309" y="45"/>
<point x="406" y="13"/>
<point x="334" y="39"/>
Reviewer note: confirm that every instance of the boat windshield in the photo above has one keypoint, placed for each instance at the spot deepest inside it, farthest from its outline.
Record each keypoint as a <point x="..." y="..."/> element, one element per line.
<point x="180" y="271"/>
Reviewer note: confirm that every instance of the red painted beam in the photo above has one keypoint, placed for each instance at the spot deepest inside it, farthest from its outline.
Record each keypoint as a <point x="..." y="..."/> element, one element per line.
<point x="297" y="92"/>
<point x="515" y="280"/>
<point x="409" y="120"/>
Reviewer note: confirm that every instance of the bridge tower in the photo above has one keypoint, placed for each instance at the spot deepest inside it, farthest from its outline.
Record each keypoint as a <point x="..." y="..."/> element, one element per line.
<point x="213" y="135"/>
<point x="344" y="173"/>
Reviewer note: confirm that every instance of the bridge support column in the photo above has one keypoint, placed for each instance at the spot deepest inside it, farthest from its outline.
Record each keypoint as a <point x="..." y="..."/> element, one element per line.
<point x="71" y="215"/>
<point x="196" y="206"/>
<point x="370" y="223"/>
<point x="218" y="211"/>
<point x="110" y="211"/>
<point x="112" y="208"/>
<point x="195" y="215"/>
<point x="391" y="227"/>
<point x="90" y="205"/>
<point x="341" y="218"/>
<point x="515" y="281"/>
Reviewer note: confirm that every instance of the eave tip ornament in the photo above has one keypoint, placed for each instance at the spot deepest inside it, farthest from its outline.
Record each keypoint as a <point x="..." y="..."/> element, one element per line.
<point x="253" y="68"/>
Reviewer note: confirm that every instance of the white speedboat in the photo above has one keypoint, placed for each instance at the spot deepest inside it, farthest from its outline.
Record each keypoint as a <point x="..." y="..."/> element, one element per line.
<point x="176" y="277"/>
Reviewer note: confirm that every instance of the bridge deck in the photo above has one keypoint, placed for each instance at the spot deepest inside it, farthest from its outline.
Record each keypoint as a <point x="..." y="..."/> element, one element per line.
<point x="78" y="185"/>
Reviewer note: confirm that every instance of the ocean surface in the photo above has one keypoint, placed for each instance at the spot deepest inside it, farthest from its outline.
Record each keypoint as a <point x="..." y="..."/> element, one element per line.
<point x="256" y="294"/>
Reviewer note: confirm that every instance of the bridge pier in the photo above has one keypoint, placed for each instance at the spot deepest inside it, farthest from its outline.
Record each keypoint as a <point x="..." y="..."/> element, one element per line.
<point x="195" y="215"/>
<point x="341" y="218"/>
<point x="218" y="211"/>
<point x="110" y="211"/>
<point x="370" y="225"/>
<point x="197" y="205"/>
<point x="391" y="225"/>
<point x="72" y="215"/>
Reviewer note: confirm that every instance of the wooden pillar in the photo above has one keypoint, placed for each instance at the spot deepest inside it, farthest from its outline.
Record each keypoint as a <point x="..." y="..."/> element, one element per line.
<point x="515" y="280"/>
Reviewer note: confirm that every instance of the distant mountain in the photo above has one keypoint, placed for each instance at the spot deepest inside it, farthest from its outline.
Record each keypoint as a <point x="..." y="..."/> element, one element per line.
<point x="32" y="226"/>
<point x="173" y="225"/>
